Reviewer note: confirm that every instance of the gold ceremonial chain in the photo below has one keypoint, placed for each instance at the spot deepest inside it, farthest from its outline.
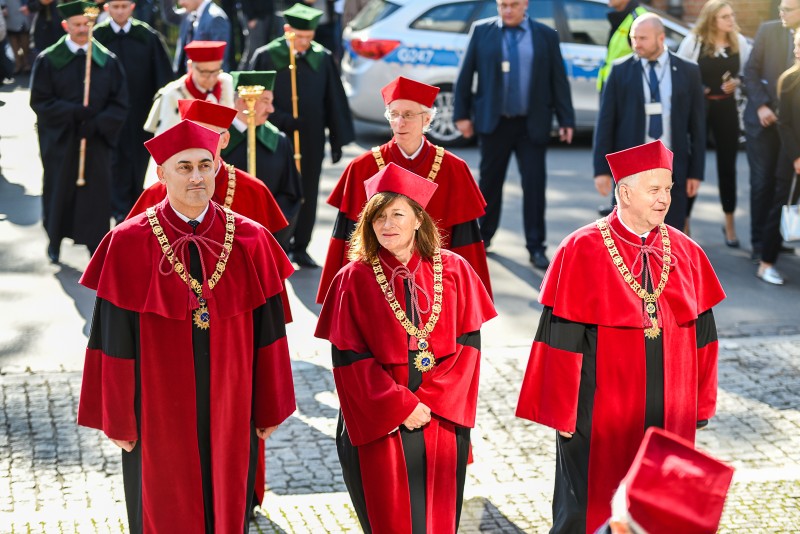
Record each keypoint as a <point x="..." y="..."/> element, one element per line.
<point x="437" y="161"/>
<point x="649" y="298"/>
<point x="231" y="185"/>
<point x="424" y="360"/>
<point x="201" y="315"/>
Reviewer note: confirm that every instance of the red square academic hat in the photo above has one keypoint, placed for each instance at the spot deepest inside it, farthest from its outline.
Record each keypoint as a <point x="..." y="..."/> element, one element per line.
<point x="640" y="158"/>
<point x="201" y="51"/>
<point x="405" y="89"/>
<point x="206" y="112"/>
<point x="673" y="487"/>
<point x="182" y="136"/>
<point x="395" y="179"/>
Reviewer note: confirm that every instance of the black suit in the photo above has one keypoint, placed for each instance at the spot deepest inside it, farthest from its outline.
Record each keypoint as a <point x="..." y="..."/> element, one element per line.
<point x="621" y="123"/>
<point x="527" y="136"/>
<point x="771" y="55"/>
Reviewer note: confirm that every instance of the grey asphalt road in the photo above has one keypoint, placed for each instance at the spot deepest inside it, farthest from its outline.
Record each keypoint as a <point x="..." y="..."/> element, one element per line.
<point x="45" y="315"/>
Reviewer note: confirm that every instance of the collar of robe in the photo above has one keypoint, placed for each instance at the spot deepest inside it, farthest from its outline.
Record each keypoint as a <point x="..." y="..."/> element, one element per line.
<point x="60" y="55"/>
<point x="266" y="134"/>
<point x="139" y="30"/>
<point x="279" y="52"/>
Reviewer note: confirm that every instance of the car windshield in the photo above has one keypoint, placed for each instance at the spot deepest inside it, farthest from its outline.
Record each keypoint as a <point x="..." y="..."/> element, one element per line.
<point x="373" y="12"/>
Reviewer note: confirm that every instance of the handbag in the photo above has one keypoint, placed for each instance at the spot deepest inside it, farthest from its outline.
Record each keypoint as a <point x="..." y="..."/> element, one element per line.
<point x="790" y="217"/>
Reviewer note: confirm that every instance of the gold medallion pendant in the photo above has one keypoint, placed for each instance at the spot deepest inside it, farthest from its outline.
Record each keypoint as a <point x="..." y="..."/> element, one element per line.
<point x="424" y="361"/>
<point x="202" y="317"/>
<point x="654" y="331"/>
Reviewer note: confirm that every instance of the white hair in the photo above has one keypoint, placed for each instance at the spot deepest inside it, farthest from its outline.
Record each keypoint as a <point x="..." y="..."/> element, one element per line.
<point x="620" y="512"/>
<point x="431" y="112"/>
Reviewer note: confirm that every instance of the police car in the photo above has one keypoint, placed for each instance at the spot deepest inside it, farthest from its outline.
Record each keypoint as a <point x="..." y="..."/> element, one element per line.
<point x="425" y="40"/>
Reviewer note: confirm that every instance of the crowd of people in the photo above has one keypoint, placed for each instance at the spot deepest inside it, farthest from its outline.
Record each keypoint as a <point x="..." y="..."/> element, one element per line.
<point x="187" y="368"/>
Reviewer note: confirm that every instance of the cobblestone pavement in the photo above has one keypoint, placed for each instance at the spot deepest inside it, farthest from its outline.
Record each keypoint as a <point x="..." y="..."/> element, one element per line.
<point x="57" y="477"/>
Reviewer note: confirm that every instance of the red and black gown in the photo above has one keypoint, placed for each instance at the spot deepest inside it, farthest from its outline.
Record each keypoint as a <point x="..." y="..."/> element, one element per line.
<point x="405" y="481"/>
<point x="191" y="398"/>
<point x="455" y="207"/>
<point x="593" y="372"/>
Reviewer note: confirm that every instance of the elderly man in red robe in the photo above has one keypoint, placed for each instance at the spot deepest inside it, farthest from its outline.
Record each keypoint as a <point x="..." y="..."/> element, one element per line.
<point x="187" y="364"/>
<point x="626" y="340"/>
<point x="456" y="205"/>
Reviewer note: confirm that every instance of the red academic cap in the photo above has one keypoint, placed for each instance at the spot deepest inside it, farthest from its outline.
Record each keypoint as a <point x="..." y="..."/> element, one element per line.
<point x="640" y="158"/>
<point x="201" y="51"/>
<point x="405" y="89"/>
<point x="182" y="136"/>
<point x="673" y="487"/>
<point x="395" y="179"/>
<point x="207" y="112"/>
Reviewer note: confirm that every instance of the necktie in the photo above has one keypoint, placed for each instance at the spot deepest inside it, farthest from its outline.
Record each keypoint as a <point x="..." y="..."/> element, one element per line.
<point x="194" y="224"/>
<point x="190" y="28"/>
<point x="513" y="100"/>
<point x="656" y="129"/>
<point x="80" y="52"/>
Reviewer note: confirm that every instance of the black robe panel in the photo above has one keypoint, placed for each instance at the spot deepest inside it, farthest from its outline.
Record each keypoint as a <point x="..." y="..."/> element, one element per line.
<point x="80" y="213"/>
<point x="143" y="55"/>
<point x="322" y="105"/>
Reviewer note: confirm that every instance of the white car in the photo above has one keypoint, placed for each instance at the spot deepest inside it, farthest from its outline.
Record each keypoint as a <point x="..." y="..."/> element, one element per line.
<point x="425" y="40"/>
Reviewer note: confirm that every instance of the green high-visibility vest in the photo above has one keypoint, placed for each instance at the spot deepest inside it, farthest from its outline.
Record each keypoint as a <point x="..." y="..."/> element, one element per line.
<point x="618" y="46"/>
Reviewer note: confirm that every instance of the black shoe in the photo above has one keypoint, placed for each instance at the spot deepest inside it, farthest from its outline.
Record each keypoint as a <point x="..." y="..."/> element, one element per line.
<point x="539" y="260"/>
<point x="605" y="211"/>
<point x="301" y="258"/>
<point x="53" y="251"/>
<point x="733" y="243"/>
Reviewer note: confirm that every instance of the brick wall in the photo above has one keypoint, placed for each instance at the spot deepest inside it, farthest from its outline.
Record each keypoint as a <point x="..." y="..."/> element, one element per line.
<point x="749" y="13"/>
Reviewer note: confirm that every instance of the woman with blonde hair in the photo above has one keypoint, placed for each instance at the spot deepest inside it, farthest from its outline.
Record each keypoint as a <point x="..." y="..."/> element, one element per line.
<point x="404" y="319"/>
<point x="721" y="52"/>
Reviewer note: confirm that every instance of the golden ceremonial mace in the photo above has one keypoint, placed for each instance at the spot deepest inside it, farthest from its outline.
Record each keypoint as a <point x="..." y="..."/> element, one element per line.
<point x="250" y="94"/>
<point x="90" y="13"/>
<point x="293" y="73"/>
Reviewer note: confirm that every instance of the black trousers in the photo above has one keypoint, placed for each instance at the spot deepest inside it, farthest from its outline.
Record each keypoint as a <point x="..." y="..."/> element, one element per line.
<point x="511" y="136"/>
<point x="771" y="236"/>
<point x="763" y="149"/>
<point x="722" y="121"/>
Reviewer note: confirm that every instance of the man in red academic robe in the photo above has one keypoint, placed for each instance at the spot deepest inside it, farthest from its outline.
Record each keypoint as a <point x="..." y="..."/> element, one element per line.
<point x="626" y="341"/>
<point x="187" y="364"/>
<point x="456" y="205"/>
<point x="234" y="189"/>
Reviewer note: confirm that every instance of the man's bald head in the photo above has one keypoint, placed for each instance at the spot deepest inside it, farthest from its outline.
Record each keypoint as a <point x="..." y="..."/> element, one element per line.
<point x="647" y="36"/>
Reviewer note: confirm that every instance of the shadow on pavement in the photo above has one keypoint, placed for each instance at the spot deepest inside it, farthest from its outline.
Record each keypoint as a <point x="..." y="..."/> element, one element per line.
<point x="262" y="524"/>
<point x="82" y="297"/>
<point x="523" y="271"/>
<point x="17" y="207"/>
<point x="480" y="515"/>
<point x="305" y="283"/>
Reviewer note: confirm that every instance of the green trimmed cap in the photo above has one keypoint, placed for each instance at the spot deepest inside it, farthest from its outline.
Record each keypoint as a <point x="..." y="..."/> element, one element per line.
<point x="302" y="17"/>
<point x="72" y="9"/>
<point x="265" y="78"/>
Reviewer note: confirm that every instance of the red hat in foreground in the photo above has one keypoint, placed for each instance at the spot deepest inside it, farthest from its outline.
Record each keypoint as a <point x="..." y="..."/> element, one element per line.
<point x="395" y="179"/>
<point x="405" y="89"/>
<point x="206" y="112"/>
<point x="672" y="487"/>
<point x="201" y="51"/>
<point x="183" y="136"/>
<point x="653" y="155"/>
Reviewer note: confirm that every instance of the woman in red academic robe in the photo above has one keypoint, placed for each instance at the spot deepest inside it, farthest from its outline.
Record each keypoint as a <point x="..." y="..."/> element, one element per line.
<point x="404" y="320"/>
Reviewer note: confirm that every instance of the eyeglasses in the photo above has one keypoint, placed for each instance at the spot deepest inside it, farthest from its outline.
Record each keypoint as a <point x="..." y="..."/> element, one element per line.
<point x="393" y="116"/>
<point x="207" y="73"/>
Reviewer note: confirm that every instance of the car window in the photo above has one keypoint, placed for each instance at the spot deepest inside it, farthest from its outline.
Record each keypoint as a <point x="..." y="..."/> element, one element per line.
<point x="587" y="21"/>
<point x="373" y="12"/>
<point x="450" y="18"/>
<point x="540" y="10"/>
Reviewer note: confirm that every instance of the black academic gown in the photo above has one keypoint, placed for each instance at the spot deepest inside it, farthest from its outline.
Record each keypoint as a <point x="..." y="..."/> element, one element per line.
<point x="143" y="54"/>
<point x="323" y="105"/>
<point x="274" y="166"/>
<point x="80" y="213"/>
